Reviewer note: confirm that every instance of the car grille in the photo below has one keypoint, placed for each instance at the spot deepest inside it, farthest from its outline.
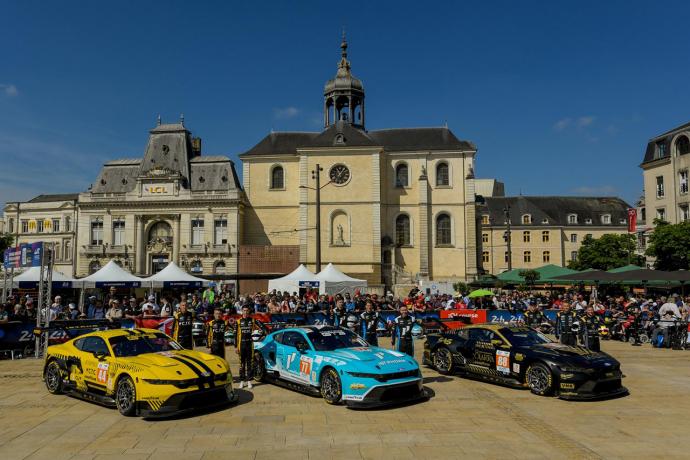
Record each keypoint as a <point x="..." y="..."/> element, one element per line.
<point x="206" y="398"/>
<point x="397" y="375"/>
<point x="606" y="387"/>
<point x="400" y="393"/>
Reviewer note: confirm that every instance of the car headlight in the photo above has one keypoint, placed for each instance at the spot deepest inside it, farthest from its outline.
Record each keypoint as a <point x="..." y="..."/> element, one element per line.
<point x="177" y="383"/>
<point x="575" y="370"/>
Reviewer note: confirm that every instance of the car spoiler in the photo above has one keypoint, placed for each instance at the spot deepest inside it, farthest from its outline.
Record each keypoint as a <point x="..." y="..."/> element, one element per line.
<point x="75" y="328"/>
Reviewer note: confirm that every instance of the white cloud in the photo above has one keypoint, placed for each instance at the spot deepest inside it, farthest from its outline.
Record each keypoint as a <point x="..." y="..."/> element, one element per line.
<point x="9" y="89"/>
<point x="583" y="122"/>
<point x="595" y="190"/>
<point x="579" y="122"/>
<point x="285" y="113"/>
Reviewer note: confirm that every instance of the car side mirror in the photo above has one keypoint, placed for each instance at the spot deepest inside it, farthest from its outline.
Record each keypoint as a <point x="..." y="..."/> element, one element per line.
<point x="301" y="347"/>
<point x="100" y="355"/>
<point x="497" y="342"/>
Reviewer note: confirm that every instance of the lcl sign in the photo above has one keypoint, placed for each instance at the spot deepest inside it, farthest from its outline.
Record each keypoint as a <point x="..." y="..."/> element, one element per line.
<point x="156" y="189"/>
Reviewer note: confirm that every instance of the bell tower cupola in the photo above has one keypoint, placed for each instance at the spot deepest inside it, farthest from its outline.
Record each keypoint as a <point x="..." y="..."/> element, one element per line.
<point x="344" y="95"/>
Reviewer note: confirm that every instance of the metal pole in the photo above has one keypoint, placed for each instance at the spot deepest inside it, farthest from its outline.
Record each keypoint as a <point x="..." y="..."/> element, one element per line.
<point x="506" y="211"/>
<point x="4" y="284"/>
<point x="316" y="174"/>
<point x="39" y="310"/>
<point x="11" y="279"/>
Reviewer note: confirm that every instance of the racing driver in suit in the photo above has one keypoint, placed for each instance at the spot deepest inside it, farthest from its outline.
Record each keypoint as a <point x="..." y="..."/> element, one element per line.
<point x="182" y="327"/>
<point x="402" y="330"/>
<point x="534" y="318"/>
<point x="566" y="320"/>
<point x="369" y="321"/>
<point x="244" y="327"/>
<point x="216" y="334"/>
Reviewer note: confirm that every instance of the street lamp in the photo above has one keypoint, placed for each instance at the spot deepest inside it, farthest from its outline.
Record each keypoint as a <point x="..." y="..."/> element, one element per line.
<point x="316" y="175"/>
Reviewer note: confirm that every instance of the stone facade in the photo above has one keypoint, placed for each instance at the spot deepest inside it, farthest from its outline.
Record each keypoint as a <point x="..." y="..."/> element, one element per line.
<point x="545" y="230"/>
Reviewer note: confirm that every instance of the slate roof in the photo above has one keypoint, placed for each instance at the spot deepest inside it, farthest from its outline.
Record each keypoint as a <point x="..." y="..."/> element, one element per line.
<point x="662" y="139"/>
<point x="392" y="140"/>
<point x="555" y="209"/>
<point x="55" y="197"/>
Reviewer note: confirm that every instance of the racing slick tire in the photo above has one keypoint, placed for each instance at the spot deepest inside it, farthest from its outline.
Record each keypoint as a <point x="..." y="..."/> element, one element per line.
<point x="331" y="387"/>
<point x="442" y="360"/>
<point x="539" y="379"/>
<point x="126" y="396"/>
<point x="53" y="378"/>
<point x="259" y="367"/>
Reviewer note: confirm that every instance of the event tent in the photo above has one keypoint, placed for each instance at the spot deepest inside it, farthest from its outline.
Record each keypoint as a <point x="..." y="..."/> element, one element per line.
<point x="333" y="281"/>
<point x="32" y="277"/>
<point x="300" y="277"/>
<point x="110" y="275"/>
<point x="548" y="274"/>
<point x="172" y="276"/>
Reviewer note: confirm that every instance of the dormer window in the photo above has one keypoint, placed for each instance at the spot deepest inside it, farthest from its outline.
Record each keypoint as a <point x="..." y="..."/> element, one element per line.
<point x="339" y="138"/>
<point x="572" y="218"/>
<point x="661" y="150"/>
<point x="526" y="219"/>
<point x="588" y="221"/>
<point x="606" y="219"/>
<point x="545" y="221"/>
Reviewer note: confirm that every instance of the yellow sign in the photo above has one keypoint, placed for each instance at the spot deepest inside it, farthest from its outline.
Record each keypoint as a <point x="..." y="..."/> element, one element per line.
<point x="159" y="189"/>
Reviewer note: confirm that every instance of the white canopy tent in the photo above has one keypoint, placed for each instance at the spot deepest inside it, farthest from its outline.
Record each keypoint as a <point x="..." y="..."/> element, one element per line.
<point x="301" y="277"/>
<point x="333" y="281"/>
<point x="111" y="275"/>
<point x="32" y="276"/>
<point x="172" y="276"/>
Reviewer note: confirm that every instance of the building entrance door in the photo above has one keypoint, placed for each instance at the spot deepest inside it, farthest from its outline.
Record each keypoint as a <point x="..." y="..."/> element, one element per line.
<point x="159" y="262"/>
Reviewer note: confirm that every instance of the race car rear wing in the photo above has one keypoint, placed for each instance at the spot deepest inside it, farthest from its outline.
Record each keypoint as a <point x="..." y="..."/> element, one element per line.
<point x="63" y="329"/>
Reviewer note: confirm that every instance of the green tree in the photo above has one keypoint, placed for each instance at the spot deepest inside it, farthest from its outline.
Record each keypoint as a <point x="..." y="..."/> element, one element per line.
<point x="609" y="251"/>
<point x="461" y="287"/>
<point x="670" y="245"/>
<point x="531" y="277"/>
<point x="6" y="240"/>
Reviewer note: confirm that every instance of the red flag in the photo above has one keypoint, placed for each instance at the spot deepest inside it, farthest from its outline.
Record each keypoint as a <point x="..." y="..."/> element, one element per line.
<point x="632" y="220"/>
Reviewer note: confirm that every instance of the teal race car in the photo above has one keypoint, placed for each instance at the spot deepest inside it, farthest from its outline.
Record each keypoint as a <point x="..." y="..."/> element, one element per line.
<point x="338" y="365"/>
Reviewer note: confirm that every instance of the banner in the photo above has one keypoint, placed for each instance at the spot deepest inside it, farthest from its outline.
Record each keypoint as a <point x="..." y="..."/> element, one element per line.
<point x="23" y="255"/>
<point x="632" y="220"/>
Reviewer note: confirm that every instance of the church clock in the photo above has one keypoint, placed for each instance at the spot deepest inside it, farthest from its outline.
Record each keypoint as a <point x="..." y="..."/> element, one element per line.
<point x="339" y="174"/>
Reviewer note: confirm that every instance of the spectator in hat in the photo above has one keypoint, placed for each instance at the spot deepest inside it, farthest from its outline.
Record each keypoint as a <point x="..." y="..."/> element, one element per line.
<point x="72" y="311"/>
<point x="114" y="313"/>
<point x="151" y="305"/>
<point x="91" y="306"/>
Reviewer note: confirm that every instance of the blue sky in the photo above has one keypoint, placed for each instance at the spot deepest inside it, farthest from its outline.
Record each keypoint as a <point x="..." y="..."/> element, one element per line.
<point x="560" y="97"/>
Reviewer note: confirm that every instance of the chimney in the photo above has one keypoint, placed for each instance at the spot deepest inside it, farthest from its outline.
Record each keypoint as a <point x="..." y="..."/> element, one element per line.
<point x="196" y="146"/>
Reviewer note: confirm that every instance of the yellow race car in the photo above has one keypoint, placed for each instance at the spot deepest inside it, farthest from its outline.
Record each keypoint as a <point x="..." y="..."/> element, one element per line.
<point x="139" y="371"/>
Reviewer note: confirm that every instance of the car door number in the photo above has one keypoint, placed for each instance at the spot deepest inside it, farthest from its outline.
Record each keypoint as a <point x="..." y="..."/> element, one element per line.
<point x="503" y="361"/>
<point x="102" y="374"/>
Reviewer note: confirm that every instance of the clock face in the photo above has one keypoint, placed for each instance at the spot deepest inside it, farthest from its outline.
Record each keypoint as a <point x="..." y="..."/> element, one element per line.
<point x="339" y="174"/>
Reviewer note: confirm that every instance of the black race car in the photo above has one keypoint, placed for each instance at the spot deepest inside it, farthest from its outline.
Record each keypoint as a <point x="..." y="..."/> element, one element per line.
<point x="522" y="357"/>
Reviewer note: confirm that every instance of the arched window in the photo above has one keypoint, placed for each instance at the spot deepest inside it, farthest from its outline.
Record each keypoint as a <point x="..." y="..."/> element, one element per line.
<point x="219" y="267"/>
<point x="442" y="176"/>
<point x="160" y="231"/>
<point x="402" y="230"/>
<point x="526" y="238"/>
<point x="546" y="256"/>
<point x="94" y="266"/>
<point x="197" y="267"/>
<point x="527" y="256"/>
<point x="443" y="230"/>
<point x="402" y="178"/>
<point x="277" y="178"/>
<point x="526" y="219"/>
<point x="683" y="145"/>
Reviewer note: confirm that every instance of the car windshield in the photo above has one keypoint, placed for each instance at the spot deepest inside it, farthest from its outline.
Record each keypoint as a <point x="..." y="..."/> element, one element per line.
<point x="135" y="345"/>
<point x="333" y="339"/>
<point x="521" y="337"/>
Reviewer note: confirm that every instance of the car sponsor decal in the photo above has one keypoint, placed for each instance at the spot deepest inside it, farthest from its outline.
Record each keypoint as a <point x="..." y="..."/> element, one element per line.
<point x="102" y="375"/>
<point x="519" y="356"/>
<point x="392" y="361"/>
<point x="353" y="397"/>
<point x="516" y="368"/>
<point x="357" y="386"/>
<point x="568" y="386"/>
<point x="290" y="359"/>
<point x="503" y="361"/>
<point x="379" y="355"/>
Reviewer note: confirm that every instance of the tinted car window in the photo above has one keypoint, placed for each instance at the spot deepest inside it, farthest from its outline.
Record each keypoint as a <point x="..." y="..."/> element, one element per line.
<point x="291" y="338"/>
<point x="278" y="337"/>
<point x="79" y="344"/>
<point x="95" y="345"/>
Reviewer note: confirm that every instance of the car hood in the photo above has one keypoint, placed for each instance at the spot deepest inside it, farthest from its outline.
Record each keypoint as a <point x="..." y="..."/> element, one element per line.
<point x="374" y="358"/>
<point x="180" y="364"/>
<point x="575" y="354"/>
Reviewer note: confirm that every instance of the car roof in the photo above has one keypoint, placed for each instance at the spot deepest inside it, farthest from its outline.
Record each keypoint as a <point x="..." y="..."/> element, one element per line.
<point x="493" y="326"/>
<point x="110" y="333"/>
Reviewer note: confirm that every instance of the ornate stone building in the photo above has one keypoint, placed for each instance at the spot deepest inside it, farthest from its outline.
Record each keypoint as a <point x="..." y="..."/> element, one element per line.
<point x="397" y="205"/>
<point x="174" y="204"/>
